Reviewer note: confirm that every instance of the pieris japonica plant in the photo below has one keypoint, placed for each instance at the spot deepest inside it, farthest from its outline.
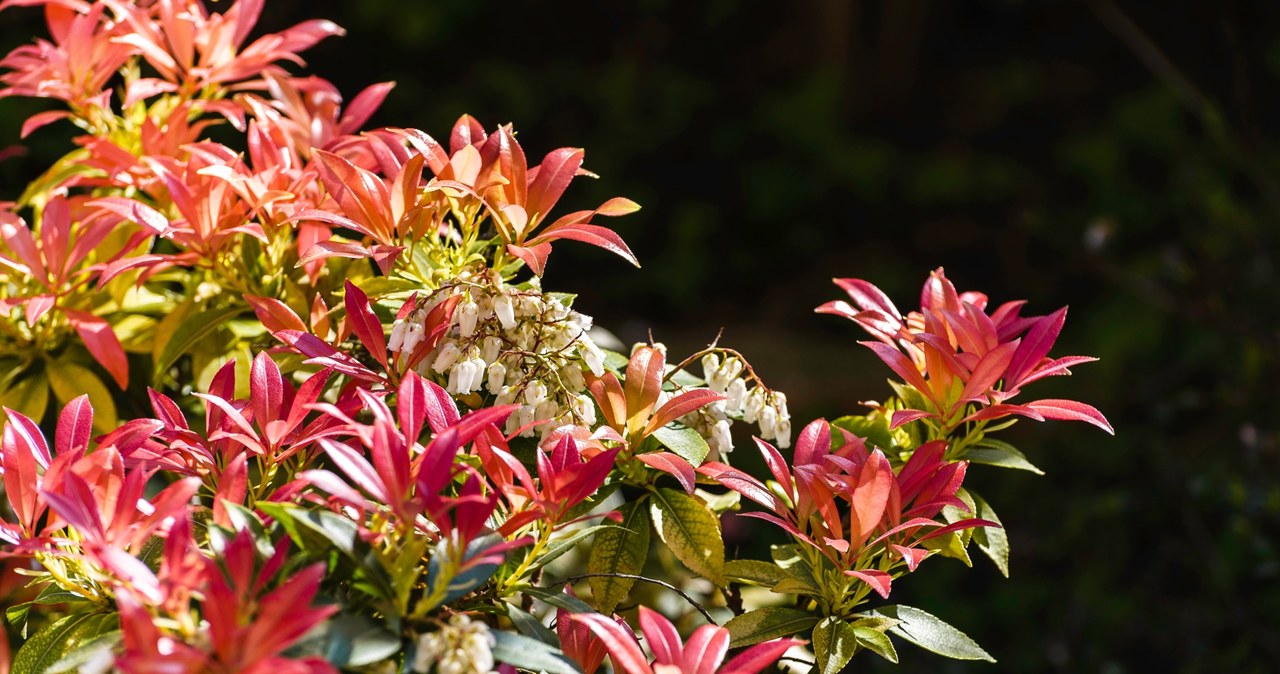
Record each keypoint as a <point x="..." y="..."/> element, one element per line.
<point x="372" y="441"/>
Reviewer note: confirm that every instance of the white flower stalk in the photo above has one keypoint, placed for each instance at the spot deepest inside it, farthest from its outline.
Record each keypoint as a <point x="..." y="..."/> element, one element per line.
<point x="463" y="646"/>
<point x="448" y="355"/>
<point x="467" y="313"/>
<point x="505" y="312"/>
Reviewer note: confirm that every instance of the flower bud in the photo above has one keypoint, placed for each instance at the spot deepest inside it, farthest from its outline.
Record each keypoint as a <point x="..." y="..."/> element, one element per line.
<point x="448" y="356"/>
<point x="505" y="312"/>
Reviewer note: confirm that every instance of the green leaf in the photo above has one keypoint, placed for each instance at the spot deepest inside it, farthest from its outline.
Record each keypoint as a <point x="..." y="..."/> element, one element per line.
<point x="834" y="643"/>
<point x="317" y="531"/>
<point x="558" y="599"/>
<point x="349" y="640"/>
<point x="993" y="541"/>
<point x="873" y="428"/>
<point x="621" y="549"/>
<point x="767" y="623"/>
<point x="188" y="332"/>
<point x="27" y="391"/>
<point x="86" y="652"/>
<point x="931" y="633"/>
<point x="530" y="626"/>
<point x="992" y="452"/>
<point x="46" y="647"/>
<point x="51" y="594"/>
<point x="691" y="531"/>
<point x="684" y="441"/>
<point x="877" y="642"/>
<point x="440" y="568"/>
<point x="563" y="545"/>
<point x="531" y="654"/>
<point x="754" y="572"/>
<point x="70" y="380"/>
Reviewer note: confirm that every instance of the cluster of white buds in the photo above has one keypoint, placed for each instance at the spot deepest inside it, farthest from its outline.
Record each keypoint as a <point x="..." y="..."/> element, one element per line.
<point x="462" y="646"/>
<point x="758" y="405"/>
<point x="519" y="344"/>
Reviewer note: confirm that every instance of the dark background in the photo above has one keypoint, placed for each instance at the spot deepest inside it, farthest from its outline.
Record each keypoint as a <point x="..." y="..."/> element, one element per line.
<point x="1122" y="161"/>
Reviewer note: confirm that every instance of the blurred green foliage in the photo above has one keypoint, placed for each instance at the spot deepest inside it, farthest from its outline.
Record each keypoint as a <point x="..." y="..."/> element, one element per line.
<point x="1054" y="150"/>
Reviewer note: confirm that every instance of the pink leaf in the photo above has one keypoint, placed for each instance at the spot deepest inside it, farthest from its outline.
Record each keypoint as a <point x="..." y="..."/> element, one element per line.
<point x="266" y="390"/>
<point x="365" y="323"/>
<point x="663" y="639"/>
<point x="1035" y="346"/>
<point x="102" y="343"/>
<point x="1071" y="410"/>
<point x="878" y="580"/>
<point x="274" y="314"/>
<point x="681" y="405"/>
<point x="535" y="256"/>
<point x="75" y="425"/>
<point x="901" y="417"/>
<point x="759" y="656"/>
<point x="621" y="645"/>
<point x="552" y="178"/>
<point x="601" y="237"/>
<point x="673" y="464"/>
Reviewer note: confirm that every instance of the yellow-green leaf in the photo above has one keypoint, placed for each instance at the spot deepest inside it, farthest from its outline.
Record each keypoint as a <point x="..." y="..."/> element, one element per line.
<point x="46" y="647"/>
<point x="877" y="642"/>
<point x="834" y="643"/>
<point x="621" y="549"/>
<point x="691" y="531"/>
<point x="991" y="540"/>
<point x="28" y="393"/>
<point x="754" y="572"/>
<point x="188" y="332"/>
<point x="70" y="380"/>
<point x="768" y="623"/>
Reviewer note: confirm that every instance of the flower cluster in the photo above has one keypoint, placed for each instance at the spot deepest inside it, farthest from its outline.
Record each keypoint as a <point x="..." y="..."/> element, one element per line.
<point x="372" y="441"/>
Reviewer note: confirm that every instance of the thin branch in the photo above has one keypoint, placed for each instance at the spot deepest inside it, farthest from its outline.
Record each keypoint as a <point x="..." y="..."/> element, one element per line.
<point x="655" y="581"/>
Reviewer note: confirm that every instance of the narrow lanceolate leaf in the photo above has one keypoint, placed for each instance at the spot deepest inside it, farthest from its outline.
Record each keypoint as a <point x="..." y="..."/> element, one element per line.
<point x="993" y="452"/>
<point x="622" y="549"/>
<point x="931" y="633"/>
<point x="994" y="541"/>
<point x="691" y="531"/>
<point x="188" y="332"/>
<point x="768" y="623"/>
<point x="834" y="642"/>
<point x="754" y="572"/>
<point x="530" y="654"/>
<point x="46" y="647"/>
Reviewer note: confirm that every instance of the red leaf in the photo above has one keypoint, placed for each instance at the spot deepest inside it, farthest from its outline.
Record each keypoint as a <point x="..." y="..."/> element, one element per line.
<point x="365" y="323"/>
<point x="673" y="464"/>
<point x="1035" y="346"/>
<point x="878" y="580"/>
<point x="681" y="405"/>
<point x="871" y="494"/>
<point x="621" y="645"/>
<point x="266" y="390"/>
<point x="759" y="656"/>
<point x="551" y="179"/>
<point x="75" y="425"/>
<point x="601" y="237"/>
<point x="813" y="444"/>
<point x="535" y="256"/>
<point x="903" y="366"/>
<point x="363" y="106"/>
<point x="466" y="131"/>
<point x="901" y="417"/>
<point x="274" y="314"/>
<point x="741" y="482"/>
<point x="102" y="344"/>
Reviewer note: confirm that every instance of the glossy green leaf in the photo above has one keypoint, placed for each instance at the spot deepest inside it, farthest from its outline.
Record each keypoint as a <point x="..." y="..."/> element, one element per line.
<point x="684" y="441"/>
<point x="87" y="652"/>
<point x="46" y="647"/>
<point x="873" y="428"/>
<point x="931" y="633"/>
<point x="16" y="615"/>
<point x="621" y="549"/>
<point x="993" y="452"/>
<point x="318" y="531"/>
<point x="531" y="654"/>
<point x="27" y="392"/>
<point x="458" y="585"/>
<point x="691" y="531"/>
<point x="188" y="332"/>
<point x="529" y="625"/>
<point x="349" y="640"/>
<point x="560" y="546"/>
<point x="558" y="599"/>
<point x="993" y="541"/>
<point x="767" y="623"/>
<point x="834" y="643"/>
